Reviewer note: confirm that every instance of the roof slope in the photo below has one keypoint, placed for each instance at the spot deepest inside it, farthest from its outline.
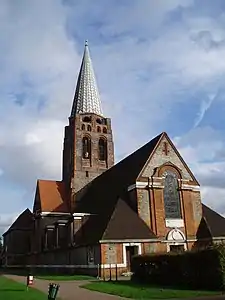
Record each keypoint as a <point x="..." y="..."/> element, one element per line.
<point x="215" y="221"/>
<point x="131" y="227"/>
<point x="23" y="221"/>
<point x="113" y="226"/>
<point x="51" y="195"/>
<point x="102" y="193"/>
<point x="100" y="198"/>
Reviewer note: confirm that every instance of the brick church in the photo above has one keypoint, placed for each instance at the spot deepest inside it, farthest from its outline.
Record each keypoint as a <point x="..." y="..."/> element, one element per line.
<point x="101" y="214"/>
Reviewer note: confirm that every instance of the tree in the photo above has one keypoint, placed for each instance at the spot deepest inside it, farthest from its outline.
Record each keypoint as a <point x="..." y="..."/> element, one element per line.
<point x="1" y="244"/>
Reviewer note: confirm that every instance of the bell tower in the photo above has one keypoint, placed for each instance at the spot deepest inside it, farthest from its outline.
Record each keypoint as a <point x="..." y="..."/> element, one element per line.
<point x="88" y="143"/>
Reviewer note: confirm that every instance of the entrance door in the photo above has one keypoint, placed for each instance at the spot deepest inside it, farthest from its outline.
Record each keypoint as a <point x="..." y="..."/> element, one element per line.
<point x="130" y="252"/>
<point x="177" y="248"/>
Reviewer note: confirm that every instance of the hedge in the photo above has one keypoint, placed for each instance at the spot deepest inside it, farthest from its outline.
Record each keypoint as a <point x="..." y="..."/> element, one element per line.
<point x="199" y="269"/>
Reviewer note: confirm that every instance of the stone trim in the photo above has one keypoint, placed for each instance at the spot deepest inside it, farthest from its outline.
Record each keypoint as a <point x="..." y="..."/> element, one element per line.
<point x="46" y="213"/>
<point x="81" y="214"/>
<point x="141" y="184"/>
<point x="125" y="253"/>
<point x="129" y="241"/>
<point x="177" y="223"/>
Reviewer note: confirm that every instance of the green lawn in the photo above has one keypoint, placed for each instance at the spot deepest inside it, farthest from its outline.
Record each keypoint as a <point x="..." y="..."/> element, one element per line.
<point x="11" y="290"/>
<point x="65" y="277"/>
<point x="135" y="291"/>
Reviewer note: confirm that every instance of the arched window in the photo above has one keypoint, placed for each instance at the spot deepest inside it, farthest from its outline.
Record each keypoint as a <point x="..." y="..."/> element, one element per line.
<point x="87" y="119"/>
<point x="98" y="129"/>
<point x="86" y="147"/>
<point x="89" y="128"/>
<point x="102" y="148"/>
<point x="171" y="196"/>
<point x="83" y="127"/>
<point x="104" y="130"/>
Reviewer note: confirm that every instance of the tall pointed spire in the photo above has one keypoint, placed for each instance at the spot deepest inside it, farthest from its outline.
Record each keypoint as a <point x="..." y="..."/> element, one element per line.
<point x="86" y="99"/>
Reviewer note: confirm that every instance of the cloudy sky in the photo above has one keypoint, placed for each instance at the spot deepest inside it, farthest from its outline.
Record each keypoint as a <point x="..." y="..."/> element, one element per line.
<point x="160" y="66"/>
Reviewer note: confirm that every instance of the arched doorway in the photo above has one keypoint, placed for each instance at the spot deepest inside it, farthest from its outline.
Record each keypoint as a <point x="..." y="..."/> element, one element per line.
<point x="176" y="241"/>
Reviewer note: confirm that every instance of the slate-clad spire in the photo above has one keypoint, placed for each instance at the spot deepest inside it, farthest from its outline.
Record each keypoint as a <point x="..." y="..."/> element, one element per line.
<point x="86" y="99"/>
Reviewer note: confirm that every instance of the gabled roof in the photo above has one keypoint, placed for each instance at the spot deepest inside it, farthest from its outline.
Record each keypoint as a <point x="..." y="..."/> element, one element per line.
<point x="100" y="198"/>
<point x="51" y="196"/>
<point x="165" y="135"/>
<point x="102" y="193"/>
<point x="129" y="227"/>
<point x="114" y="226"/>
<point x="23" y="222"/>
<point x="215" y="221"/>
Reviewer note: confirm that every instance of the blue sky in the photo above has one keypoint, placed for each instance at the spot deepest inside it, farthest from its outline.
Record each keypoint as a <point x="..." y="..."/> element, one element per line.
<point x="159" y="65"/>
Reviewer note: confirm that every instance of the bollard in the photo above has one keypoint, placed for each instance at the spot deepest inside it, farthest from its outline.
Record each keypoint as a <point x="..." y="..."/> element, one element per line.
<point x="116" y="273"/>
<point x="110" y="272"/>
<point x="53" y="291"/>
<point x="30" y="280"/>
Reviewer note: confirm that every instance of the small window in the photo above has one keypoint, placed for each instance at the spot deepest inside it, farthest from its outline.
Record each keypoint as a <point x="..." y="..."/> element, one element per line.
<point x="87" y="119"/>
<point x="99" y="121"/>
<point x="102" y="148"/>
<point x="98" y="129"/>
<point x="87" y="174"/>
<point x="104" y="130"/>
<point x="86" y="148"/>
<point x="83" y="127"/>
<point x="89" y="128"/>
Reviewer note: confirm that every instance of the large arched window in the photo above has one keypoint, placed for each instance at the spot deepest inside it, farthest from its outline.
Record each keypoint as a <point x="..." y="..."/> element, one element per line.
<point x="86" y="147"/>
<point x="171" y="196"/>
<point x="102" y="149"/>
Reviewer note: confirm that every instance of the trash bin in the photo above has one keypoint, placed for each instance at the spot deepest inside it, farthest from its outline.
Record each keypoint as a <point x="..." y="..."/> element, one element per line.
<point x="53" y="291"/>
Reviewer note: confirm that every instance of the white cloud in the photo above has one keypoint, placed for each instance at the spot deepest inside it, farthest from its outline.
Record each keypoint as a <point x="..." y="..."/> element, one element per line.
<point x="205" y="105"/>
<point x="145" y="63"/>
<point x="200" y="149"/>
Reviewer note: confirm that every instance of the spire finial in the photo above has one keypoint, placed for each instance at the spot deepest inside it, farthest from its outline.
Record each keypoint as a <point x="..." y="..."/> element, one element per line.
<point x="86" y="99"/>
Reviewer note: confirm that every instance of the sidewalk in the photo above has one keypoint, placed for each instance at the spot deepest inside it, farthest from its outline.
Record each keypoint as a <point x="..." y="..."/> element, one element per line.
<point x="69" y="290"/>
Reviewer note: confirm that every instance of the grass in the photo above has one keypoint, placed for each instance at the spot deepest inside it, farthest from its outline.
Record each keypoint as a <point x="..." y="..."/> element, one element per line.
<point x="135" y="291"/>
<point x="65" y="277"/>
<point x="11" y="290"/>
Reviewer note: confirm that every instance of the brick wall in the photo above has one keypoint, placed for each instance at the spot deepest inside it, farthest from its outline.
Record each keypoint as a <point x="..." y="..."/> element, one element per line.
<point x="112" y="253"/>
<point x="78" y="171"/>
<point x="94" y="167"/>
<point x="190" y="199"/>
<point x="159" y="158"/>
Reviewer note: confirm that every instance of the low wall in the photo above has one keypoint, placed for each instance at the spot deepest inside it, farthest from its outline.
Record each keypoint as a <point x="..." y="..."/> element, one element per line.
<point x="101" y="271"/>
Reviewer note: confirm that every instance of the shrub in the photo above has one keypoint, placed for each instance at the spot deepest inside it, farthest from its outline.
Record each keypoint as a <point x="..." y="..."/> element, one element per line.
<point x="199" y="269"/>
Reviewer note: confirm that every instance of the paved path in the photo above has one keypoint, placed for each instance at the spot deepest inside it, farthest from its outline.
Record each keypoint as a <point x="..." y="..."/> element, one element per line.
<point x="69" y="290"/>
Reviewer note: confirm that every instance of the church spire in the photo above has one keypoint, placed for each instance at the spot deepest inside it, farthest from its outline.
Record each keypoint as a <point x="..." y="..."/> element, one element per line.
<point x="86" y="99"/>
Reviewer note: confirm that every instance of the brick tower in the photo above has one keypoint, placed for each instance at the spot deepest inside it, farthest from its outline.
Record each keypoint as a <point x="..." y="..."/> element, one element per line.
<point x="88" y="143"/>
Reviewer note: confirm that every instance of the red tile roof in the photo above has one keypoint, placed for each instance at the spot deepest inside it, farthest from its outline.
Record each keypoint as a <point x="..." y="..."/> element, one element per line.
<point x="52" y="196"/>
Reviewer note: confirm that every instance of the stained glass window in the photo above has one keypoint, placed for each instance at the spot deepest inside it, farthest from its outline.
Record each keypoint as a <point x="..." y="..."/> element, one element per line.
<point x="171" y="196"/>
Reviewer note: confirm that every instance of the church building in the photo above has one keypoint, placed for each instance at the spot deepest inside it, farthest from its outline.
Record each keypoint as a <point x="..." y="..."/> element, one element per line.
<point x="101" y="213"/>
